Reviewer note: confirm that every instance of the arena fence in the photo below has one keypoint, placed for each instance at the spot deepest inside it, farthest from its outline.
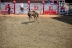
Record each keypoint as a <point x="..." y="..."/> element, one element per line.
<point x="3" y="8"/>
<point x="49" y="8"/>
<point x="68" y="10"/>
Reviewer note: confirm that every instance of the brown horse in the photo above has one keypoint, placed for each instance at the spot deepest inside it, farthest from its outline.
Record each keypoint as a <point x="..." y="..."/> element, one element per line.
<point x="34" y="14"/>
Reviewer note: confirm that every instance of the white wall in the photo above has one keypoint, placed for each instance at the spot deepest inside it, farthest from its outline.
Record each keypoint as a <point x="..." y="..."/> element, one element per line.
<point x="26" y="7"/>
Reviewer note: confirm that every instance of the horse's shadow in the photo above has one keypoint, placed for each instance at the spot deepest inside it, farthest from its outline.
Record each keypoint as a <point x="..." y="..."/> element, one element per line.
<point x="27" y="22"/>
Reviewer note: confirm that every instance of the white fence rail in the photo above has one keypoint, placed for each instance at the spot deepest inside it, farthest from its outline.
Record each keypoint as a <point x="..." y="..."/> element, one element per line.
<point x="68" y="10"/>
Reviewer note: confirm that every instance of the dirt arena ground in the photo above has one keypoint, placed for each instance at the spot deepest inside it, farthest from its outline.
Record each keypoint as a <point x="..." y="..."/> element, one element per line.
<point x="47" y="32"/>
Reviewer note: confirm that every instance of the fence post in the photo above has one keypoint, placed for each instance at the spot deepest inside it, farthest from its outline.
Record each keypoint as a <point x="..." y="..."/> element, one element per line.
<point x="57" y="6"/>
<point x="28" y="4"/>
<point x="43" y="5"/>
<point x="14" y="1"/>
<point x="0" y="6"/>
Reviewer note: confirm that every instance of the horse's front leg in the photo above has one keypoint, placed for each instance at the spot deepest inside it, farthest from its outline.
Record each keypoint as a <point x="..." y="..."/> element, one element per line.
<point x="29" y="18"/>
<point x="34" y="17"/>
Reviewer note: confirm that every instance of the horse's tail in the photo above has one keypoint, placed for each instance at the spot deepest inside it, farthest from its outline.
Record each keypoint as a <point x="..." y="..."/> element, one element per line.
<point x="28" y="13"/>
<point x="37" y="14"/>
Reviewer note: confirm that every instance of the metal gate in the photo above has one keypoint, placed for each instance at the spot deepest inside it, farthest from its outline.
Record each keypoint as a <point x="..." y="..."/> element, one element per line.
<point x="50" y="8"/>
<point x="68" y="9"/>
<point x="25" y="7"/>
<point x="36" y="6"/>
<point x="33" y="6"/>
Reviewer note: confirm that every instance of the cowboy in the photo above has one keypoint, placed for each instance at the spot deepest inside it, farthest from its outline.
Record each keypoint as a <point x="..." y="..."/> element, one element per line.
<point x="21" y="7"/>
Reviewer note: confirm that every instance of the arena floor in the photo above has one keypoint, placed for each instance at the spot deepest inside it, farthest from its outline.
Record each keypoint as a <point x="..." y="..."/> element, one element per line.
<point x="49" y="31"/>
<point x="24" y="15"/>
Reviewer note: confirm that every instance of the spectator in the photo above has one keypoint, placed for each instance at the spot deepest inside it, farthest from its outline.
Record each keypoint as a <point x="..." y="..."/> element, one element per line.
<point x="9" y="8"/>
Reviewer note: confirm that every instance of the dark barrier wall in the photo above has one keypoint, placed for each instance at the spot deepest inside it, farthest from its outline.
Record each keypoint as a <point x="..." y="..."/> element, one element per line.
<point x="37" y="1"/>
<point x="25" y="1"/>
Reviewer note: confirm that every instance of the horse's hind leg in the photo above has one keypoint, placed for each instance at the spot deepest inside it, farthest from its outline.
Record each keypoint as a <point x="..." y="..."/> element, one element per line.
<point x="29" y="18"/>
<point x="37" y="15"/>
<point x="34" y="18"/>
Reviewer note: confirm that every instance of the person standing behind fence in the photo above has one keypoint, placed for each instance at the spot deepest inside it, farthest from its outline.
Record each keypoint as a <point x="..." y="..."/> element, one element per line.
<point x="9" y="8"/>
<point x="63" y="8"/>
